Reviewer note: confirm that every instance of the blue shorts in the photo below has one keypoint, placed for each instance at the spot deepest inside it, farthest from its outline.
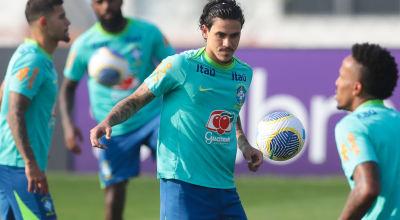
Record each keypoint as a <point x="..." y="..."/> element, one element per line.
<point x="185" y="201"/>
<point x="122" y="159"/>
<point x="17" y="203"/>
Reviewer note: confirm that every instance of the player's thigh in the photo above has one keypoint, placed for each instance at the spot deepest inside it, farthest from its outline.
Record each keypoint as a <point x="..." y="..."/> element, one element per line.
<point x="20" y="203"/>
<point x="184" y="201"/>
<point x="6" y="212"/>
<point x="232" y="206"/>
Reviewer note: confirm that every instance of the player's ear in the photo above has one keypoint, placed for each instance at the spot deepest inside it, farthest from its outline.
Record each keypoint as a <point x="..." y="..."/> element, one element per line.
<point x="42" y="22"/>
<point x="204" y="31"/>
<point x="357" y="88"/>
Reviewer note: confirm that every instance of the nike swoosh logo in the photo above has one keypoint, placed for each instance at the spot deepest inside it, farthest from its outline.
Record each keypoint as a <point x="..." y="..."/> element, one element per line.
<point x="201" y="89"/>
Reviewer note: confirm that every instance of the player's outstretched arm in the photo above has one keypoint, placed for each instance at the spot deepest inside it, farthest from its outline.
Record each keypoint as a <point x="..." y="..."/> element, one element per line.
<point x="366" y="190"/>
<point x="67" y="99"/>
<point x="253" y="156"/>
<point x="17" y="107"/>
<point x="121" y="112"/>
<point x="1" y="92"/>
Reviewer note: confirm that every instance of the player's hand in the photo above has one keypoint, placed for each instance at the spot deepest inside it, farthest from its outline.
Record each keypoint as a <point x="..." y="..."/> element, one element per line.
<point x="254" y="157"/>
<point x="70" y="134"/>
<point x="99" y="131"/>
<point x="36" y="178"/>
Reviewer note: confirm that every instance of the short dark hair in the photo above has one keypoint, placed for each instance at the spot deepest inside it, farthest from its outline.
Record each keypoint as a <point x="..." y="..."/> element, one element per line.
<point x="37" y="8"/>
<point x="379" y="73"/>
<point x="224" y="9"/>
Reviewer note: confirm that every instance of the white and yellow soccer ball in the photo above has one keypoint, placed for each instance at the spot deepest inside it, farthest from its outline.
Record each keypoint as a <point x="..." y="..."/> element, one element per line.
<point x="108" y="67"/>
<point x="280" y="136"/>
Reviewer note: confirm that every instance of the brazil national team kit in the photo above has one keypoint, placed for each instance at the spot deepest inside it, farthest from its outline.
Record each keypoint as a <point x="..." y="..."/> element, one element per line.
<point x="373" y="128"/>
<point x="197" y="139"/>
<point x="140" y="42"/>
<point x="30" y="73"/>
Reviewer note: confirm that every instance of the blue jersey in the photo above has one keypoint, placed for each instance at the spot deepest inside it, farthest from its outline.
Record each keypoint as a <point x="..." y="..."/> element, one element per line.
<point x="202" y="99"/>
<point x="371" y="133"/>
<point x="32" y="74"/>
<point x="140" y="43"/>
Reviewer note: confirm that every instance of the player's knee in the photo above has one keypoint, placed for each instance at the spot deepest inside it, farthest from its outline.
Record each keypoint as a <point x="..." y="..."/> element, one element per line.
<point x="115" y="192"/>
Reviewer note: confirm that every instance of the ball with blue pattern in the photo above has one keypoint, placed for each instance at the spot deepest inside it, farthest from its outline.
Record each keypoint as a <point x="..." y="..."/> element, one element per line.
<point x="280" y="136"/>
<point x="108" y="67"/>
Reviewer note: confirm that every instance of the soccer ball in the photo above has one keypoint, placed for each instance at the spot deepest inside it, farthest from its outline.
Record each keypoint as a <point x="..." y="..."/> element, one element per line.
<point x="108" y="67"/>
<point x="280" y="136"/>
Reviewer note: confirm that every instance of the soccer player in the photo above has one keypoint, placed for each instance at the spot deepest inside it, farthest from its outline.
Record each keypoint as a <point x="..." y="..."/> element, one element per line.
<point x="200" y="128"/>
<point x="140" y="42"/>
<point x="27" y="115"/>
<point x="368" y="138"/>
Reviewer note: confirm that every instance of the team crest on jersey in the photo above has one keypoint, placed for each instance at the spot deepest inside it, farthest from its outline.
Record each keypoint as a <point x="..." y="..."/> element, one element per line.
<point x="136" y="55"/>
<point x="241" y="93"/>
<point x="220" y="121"/>
<point x="48" y="205"/>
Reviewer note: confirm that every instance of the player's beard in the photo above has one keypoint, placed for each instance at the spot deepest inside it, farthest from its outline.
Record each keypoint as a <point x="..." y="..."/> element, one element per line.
<point x="113" y="22"/>
<point x="66" y="38"/>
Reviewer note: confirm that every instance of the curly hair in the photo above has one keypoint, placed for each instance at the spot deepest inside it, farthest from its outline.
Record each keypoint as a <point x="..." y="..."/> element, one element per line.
<point x="379" y="73"/>
<point x="224" y="9"/>
<point x="37" y="8"/>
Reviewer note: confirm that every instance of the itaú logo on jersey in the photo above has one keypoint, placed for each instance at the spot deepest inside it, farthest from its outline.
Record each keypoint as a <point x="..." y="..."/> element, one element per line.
<point x="220" y="121"/>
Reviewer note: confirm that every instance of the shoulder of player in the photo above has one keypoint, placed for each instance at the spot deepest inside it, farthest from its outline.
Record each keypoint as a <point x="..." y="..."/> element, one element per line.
<point x="239" y="62"/>
<point x="141" y="23"/>
<point x="350" y="122"/>
<point x="180" y="59"/>
<point x="29" y="55"/>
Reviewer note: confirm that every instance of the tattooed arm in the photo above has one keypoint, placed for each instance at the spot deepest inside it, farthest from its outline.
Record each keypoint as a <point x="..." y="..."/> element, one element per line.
<point x="121" y="112"/>
<point x="1" y="92"/>
<point x="17" y="107"/>
<point x="366" y="190"/>
<point x="253" y="156"/>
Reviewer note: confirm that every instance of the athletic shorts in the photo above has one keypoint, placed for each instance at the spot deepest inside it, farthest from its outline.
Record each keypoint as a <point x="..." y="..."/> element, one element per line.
<point x="185" y="201"/>
<point x="16" y="203"/>
<point x="122" y="159"/>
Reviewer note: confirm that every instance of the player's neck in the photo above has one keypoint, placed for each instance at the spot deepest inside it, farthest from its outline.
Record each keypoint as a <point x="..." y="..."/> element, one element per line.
<point x="115" y="28"/>
<point x="359" y="101"/>
<point x="45" y="42"/>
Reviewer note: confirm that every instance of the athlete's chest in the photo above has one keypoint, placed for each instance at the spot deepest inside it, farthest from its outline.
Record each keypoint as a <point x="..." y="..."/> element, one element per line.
<point x="209" y="86"/>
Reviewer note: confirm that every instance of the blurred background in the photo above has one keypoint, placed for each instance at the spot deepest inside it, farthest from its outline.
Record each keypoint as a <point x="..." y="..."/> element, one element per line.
<point x="295" y="48"/>
<point x="269" y="23"/>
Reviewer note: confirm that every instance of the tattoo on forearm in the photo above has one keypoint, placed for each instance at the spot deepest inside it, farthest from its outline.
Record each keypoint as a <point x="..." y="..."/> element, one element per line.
<point x="241" y="138"/>
<point x="18" y="105"/>
<point x="130" y="106"/>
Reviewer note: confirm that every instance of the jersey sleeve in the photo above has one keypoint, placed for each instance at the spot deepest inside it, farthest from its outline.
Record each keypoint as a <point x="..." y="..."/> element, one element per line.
<point x="161" y="48"/>
<point x="75" y="66"/>
<point x="27" y="75"/>
<point x="169" y="75"/>
<point x="353" y="145"/>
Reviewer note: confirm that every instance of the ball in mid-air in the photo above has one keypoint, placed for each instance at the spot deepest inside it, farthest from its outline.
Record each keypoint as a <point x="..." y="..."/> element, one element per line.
<point x="280" y="136"/>
<point x="108" y="67"/>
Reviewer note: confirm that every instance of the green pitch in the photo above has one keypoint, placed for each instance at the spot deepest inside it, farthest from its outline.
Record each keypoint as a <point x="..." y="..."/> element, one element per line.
<point x="273" y="198"/>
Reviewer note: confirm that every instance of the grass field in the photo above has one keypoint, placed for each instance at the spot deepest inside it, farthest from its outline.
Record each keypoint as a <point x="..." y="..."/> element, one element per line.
<point x="272" y="198"/>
